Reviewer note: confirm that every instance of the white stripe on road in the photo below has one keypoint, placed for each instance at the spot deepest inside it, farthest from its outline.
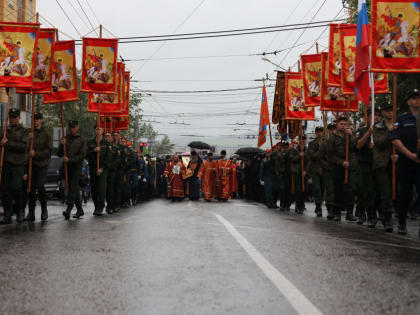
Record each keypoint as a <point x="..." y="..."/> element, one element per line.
<point x="299" y="302"/>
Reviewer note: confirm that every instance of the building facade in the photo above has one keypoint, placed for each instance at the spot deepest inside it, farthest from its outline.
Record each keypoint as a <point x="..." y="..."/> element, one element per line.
<point x="17" y="11"/>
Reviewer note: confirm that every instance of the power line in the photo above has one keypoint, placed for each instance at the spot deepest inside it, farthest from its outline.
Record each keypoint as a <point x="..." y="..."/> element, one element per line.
<point x="201" y="91"/>
<point x="91" y="10"/>
<point x="68" y="18"/>
<point x="83" y="10"/>
<point x="78" y="14"/>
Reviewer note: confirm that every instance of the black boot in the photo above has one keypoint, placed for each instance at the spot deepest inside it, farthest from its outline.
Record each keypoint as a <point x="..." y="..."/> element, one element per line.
<point x="44" y="211"/>
<point x="7" y="219"/>
<point x="20" y="214"/>
<point x="349" y="215"/>
<point x="402" y="227"/>
<point x="79" y="212"/>
<point x="388" y="224"/>
<point x="99" y="208"/>
<point x="318" y="210"/>
<point x="330" y="212"/>
<point x="362" y="216"/>
<point x="67" y="213"/>
<point x="31" y="214"/>
<point x="337" y="214"/>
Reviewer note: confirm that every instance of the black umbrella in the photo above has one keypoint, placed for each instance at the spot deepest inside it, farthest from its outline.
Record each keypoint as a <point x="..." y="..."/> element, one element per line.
<point x="249" y="151"/>
<point x="199" y="145"/>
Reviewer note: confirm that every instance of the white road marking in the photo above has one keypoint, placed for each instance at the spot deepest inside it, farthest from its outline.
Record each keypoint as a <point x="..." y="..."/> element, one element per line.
<point x="299" y="302"/>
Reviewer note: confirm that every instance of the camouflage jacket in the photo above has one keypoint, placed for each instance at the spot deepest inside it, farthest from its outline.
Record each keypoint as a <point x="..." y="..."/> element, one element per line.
<point x="365" y="154"/>
<point x="42" y="147"/>
<point x="105" y="154"/>
<point x="336" y="150"/>
<point x="75" y="148"/>
<point x="382" y="149"/>
<point x="295" y="160"/>
<point x="314" y="157"/>
<point x="115" y="159"/>
<point x="16" y="147"/>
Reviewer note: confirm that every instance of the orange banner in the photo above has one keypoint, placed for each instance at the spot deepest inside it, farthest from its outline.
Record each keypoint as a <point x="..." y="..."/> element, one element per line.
<point x="295" y="107"/>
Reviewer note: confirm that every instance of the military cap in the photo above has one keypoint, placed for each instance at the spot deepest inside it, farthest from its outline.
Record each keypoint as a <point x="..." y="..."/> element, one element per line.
<point x="38" y="116"/>
<point x="342" y="118"/>
<point x="116" y="132"/>
<point x="386" y="106"/>
<point x="413" y="94"/>
<point x="73" y="123"/>
<point x="304" y="137"/>
<point x="330" y="126"/>
<point x="319" y="128"/>
<point x="14" y="112"/>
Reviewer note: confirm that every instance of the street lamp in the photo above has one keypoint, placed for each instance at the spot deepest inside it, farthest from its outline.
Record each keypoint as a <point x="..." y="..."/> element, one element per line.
<point x="268" y="60"/>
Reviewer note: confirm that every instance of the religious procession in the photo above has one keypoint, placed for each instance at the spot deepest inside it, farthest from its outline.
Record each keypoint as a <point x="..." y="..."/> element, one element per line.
<point x="170" y="195"/>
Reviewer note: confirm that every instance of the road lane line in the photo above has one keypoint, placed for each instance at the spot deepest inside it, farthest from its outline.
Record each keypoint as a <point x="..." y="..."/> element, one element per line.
<point x="299" y="302"/>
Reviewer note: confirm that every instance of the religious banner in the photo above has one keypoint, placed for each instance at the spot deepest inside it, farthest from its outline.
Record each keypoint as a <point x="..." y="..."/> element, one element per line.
<point x="99" y="66"/>
<point x="295" y="107"/>
<point x="126" y="91"/>
<point x="332" y="97"/>
<point x="43" y="67"/>
<point x="395" y="36"/>
<point x="311" y="72"/>
<point x="18" y="42"/>
<point x="278" y="102"/>
<point x="334" y="58"/>
<point x="64" y="76"/>
<point x="115" y="122"/>
<point x="109" y="103"/>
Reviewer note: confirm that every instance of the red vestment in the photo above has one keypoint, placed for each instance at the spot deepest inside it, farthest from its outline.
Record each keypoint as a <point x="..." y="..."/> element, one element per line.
<point x="223" y="171"/>
<point x="207" y="174"/>
<point x="233" y="179"/>
<point x="175" y="172"/>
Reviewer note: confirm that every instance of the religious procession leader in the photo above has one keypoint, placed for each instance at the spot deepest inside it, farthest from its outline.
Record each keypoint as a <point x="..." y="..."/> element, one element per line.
<point x="207" y="174"/>
<point x="223" y="177"/>
<point x="175" y="172"/>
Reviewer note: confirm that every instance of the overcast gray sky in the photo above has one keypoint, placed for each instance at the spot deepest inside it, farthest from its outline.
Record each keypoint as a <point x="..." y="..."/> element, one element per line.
<point x="212" y="114"/>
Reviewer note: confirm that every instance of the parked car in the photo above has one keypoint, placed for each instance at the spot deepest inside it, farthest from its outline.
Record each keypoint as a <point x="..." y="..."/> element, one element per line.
<point x="53" y="182"/>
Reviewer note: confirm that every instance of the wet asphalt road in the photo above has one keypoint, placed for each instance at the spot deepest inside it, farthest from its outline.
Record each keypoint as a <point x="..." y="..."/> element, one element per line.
<point x="184" y="258"/>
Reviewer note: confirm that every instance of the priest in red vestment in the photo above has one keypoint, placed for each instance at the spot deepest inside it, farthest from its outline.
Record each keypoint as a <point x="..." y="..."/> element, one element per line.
<point x="207" y="174"/>
<point x="233" y="184"/>
<point x="175" y="172"/>
<point x="223" y="171"/>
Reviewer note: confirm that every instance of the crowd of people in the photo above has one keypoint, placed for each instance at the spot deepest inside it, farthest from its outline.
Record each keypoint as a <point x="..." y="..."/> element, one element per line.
<point x="346" y="170"/>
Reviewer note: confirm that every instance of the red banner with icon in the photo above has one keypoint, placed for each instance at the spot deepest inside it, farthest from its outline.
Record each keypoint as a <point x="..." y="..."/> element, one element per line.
<point x="18" y="42"/>
<point x="295" y="107"/>
<point x="311" y="72"/>
<point x="99" y="65"/>
<point x="64" y="75"/>
<point x="395" y="36"/>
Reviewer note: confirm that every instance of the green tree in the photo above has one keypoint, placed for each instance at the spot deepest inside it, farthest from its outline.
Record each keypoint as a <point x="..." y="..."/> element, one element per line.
<point x="164" y="146"/>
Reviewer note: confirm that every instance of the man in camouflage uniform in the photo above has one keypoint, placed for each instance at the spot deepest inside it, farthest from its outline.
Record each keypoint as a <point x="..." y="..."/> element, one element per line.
<point x="113" y="164"/>
<point x="116" y="137"/>
<point x="336" y="154"/>
<point x="296" y="170"/>
<point x="76" y="152"/>
<point x="15" y="145"/>
<point x="98" y="175"/>
<point x="41" y="157"/>
<point x="315" y="169"/>
<point x="382" y="165"/>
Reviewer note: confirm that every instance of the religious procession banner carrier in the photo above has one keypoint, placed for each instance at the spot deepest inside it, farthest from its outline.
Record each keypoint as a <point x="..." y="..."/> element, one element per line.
<point x="311" y="72"/>
<point x="43" y="67"/>
<point x="18" y="42"/>
<point x="332" y="97"/>
<point x="395" y="36"/>
<point x="64" y="77"/>
<point x="109" y="103"/>
<point x="99" y="66"/>
<point x="295" y="107"/>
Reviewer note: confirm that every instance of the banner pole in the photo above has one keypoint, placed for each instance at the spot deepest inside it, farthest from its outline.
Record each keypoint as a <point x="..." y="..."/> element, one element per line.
<point x="394" y="118"/>
<point x="31" y="143"/>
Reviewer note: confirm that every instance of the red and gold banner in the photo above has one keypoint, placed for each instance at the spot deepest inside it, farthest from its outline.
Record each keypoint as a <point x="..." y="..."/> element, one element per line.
<point x="395" y="36"/>
<point x="99" y="66"/>
<point x="334" y="58"/>
<point x="126" y="92"/>
<point x="115" y="123"/>
<point x="311" y="72"/>
<point x="110" y="103"/>
<point x="332" y="97"/>
<point x="42" y="75"/>
<point x="348" y="58"/>
<point x="18" y="42"/>
<point x="295" y="107"/>
<point x="64" y="76"/>
<point x="279" y="113"/>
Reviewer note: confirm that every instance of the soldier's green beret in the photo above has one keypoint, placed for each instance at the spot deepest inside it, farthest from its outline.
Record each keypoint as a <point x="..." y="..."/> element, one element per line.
<point x="14" y="112"/>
